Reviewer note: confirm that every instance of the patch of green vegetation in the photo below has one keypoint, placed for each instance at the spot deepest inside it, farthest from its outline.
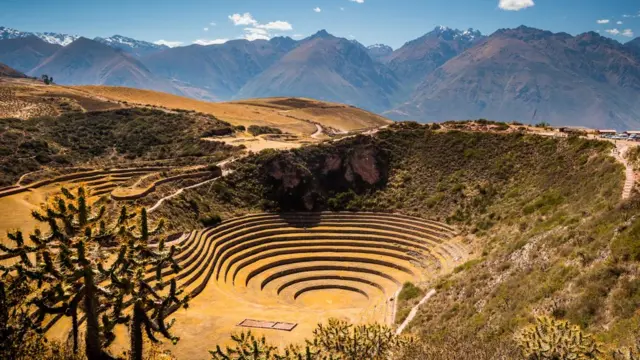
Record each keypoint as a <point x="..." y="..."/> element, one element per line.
<point x="626" y="246"/>
<point x="410" y="291"/>
<point x="468" y="265"/>
<point x="544" y="203"/>
<point x="256" y="130"/>
<point x="117" y="136"/>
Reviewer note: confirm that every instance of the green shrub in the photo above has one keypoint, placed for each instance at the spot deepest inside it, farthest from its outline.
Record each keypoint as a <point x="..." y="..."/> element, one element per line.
<point x="468" y="265"/>
<point x="410" y="291"/>
<point x="556" y="339"/>
<point x="256" y="130"/>
<point x="210" y="220"/>
<point x="626" y="245"/>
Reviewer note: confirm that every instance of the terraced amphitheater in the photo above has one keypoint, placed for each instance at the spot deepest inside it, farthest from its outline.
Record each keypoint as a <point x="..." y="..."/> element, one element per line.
<point x="286" y="272"/>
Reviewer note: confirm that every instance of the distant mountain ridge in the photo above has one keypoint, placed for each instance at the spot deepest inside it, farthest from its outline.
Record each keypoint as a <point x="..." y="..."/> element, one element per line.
<point x="129" y="45"/>
<point x="24" y="54"/>
<point x="86" y="61"/>
<point x="533" y="75"/>
<point x="134" y="47"/>
<point x="417" y="58"/>
<point x="379" y="51"/>
<point x="328" y="68"/>
<point x="49" y="37"/>
<point x="524" y="74"/>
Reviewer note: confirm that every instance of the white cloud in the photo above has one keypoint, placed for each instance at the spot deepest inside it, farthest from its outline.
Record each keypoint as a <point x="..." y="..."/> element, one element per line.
<point x="625" y="32"/>
<point x="276" y="25"/>
<point x="243" y="19"/>
<point x="317" y="9"/>
<point x="357" y="1"/>
<point x="619" y="23"/>
<point x="168" y="43"/>
<point x="515" y="5"/>
<point x="252" y="34"/>
<point x="212" y="23"/>
<point x="341" y="8"/>
<point x="257" y="31"/>
<point x="603" y="21"/>
<point x="297" y="36"/>
<point x="206" y="42"/>
<point x="206" y="29"/>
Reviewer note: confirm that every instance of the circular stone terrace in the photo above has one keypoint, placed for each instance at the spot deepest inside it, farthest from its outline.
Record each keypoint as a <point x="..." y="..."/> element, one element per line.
<point x="281" y="274"/>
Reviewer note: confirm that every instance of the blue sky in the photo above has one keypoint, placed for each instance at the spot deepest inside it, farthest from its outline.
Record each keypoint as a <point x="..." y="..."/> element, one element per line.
<point x="391" y="22"/>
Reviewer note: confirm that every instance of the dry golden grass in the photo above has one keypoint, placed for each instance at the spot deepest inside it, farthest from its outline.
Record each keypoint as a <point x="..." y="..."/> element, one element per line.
<point x="296" y="116"/>
<point x="26" y="98"/>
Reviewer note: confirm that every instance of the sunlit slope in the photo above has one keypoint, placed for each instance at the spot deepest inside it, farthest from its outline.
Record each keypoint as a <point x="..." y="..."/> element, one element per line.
<point x="291" y="115"/>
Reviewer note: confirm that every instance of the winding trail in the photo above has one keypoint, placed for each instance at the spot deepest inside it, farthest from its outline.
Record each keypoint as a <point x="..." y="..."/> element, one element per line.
<point x="630" y="179"/>
<point x="318" y="132"/>
<point x="414" y="311"/>
<point x="180" y="191"/>
<point x="221" y="164"/>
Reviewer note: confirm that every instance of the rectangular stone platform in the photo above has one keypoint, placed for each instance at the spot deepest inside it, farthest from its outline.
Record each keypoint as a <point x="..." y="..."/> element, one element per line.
<point x="262" y="324"/>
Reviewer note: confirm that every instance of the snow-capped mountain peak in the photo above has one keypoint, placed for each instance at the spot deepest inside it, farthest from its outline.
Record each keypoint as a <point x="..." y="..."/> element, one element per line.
<point x="50" y="37"/>
<point x="379" y="51"/>
<point x="123" y="41"/>
<point x="469" y="34"/>
<point x="379" y="46"/>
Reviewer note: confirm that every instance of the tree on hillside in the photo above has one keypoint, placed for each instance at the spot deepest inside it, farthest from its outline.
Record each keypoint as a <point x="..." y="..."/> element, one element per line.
<point x="149" y="307"/>
<point x="48" y="80"/>
<point x="67" y="268"/>
<point x="69" y="265"/>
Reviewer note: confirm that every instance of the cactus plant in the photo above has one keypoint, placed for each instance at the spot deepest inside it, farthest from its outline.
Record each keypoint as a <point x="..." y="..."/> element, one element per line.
<point x="336" y="340"/>
<point x="549" y="338"/>
<point x="627" y="353"/>
<point x="128" y="281"/>
<point x="68" y="259"/>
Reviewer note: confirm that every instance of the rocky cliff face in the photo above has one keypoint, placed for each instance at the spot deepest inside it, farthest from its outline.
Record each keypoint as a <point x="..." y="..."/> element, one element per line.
<point x="307" y="179"/>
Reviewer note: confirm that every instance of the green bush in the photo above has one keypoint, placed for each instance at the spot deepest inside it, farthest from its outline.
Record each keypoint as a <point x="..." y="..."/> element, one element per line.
<point x="410" y="291"/>
<point x="210" y="220"/>
<point x="256" y="130"/>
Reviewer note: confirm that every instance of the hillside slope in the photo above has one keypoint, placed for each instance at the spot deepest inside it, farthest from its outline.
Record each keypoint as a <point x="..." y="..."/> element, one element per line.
<point x="6" y="71"/>
<point x="532" y="75"/>
<point x="327" y="68"/>
<point x="290" y="115"/>
<point x="541" y="215"/>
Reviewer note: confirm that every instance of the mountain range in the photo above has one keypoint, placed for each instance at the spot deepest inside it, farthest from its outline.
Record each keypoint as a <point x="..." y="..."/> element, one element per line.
<point x="522" y="74"/>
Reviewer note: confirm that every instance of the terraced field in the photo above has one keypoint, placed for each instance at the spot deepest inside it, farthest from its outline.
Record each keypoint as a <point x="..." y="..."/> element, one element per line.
<point x="22" y="199"/>
<point x="301" y="268"/>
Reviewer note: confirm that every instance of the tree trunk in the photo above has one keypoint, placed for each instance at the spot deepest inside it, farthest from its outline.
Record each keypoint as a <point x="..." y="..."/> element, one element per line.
<point x="135" y="332"/>
<point x="74" y="330"/>
<point x="93" y="348"/>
